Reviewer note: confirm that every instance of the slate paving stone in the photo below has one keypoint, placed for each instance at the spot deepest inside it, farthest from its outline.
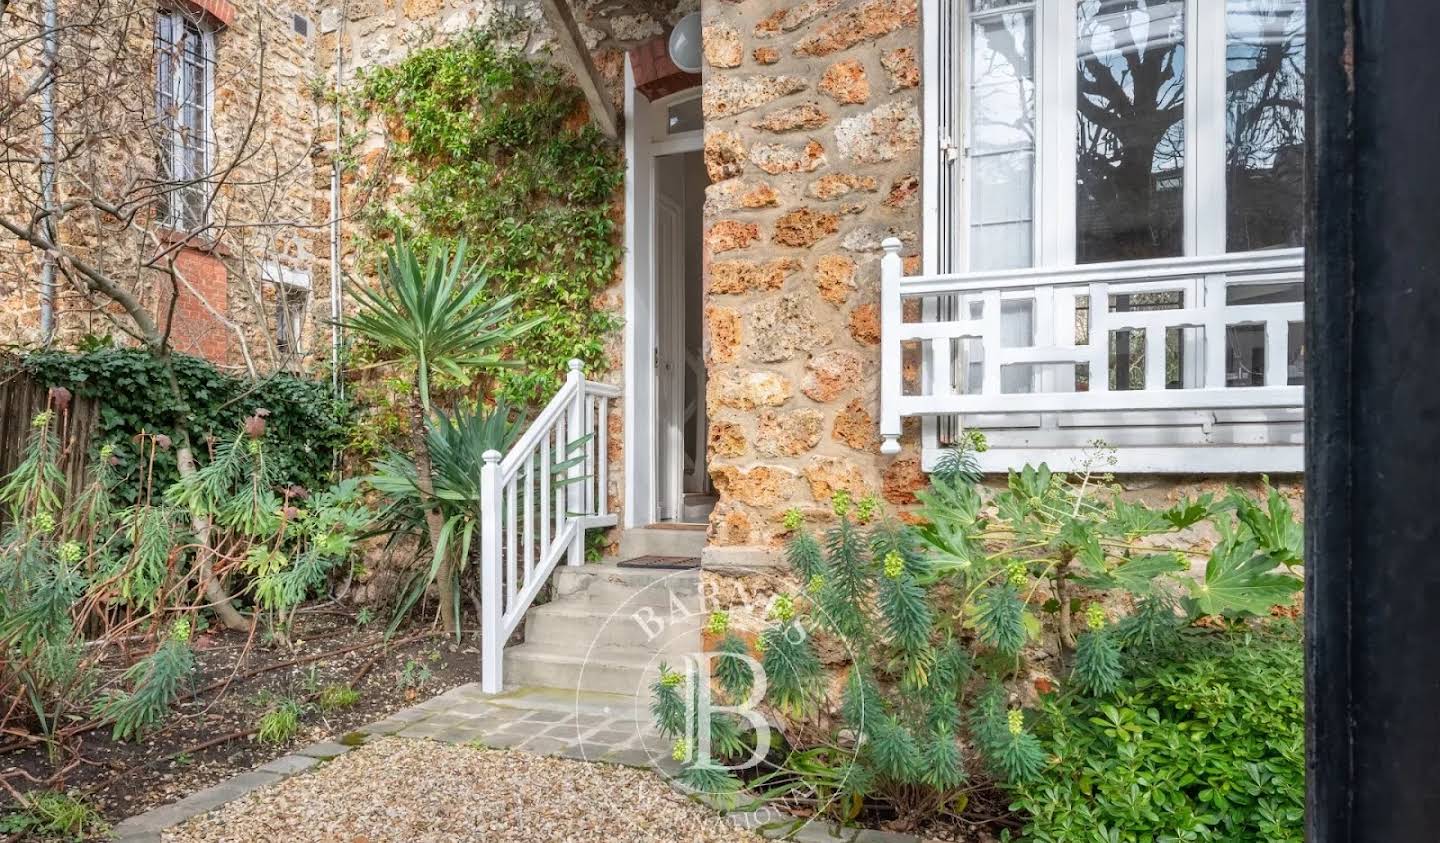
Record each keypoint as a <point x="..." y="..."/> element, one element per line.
<point x="289" y="764"/>
<point x="325" y="750"/>
<point x="548" y="716"/>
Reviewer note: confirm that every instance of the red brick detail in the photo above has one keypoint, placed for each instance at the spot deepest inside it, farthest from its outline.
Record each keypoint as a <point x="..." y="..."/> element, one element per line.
<point x="656" y="75"/>
<point x="218" y="12"/>
<point x="196" y="328"/>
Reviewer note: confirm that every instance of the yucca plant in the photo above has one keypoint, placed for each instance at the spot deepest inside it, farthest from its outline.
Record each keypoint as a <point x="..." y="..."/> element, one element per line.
<point x="456" y="443"/>
<point x="439" y="316"/>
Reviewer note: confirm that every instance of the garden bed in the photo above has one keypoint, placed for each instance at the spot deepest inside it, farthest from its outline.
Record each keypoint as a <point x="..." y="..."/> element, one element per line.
<point x="206" y="739"/>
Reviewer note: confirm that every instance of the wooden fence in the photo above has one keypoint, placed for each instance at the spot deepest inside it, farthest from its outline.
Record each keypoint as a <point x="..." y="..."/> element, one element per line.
<point x="21" y="398"/>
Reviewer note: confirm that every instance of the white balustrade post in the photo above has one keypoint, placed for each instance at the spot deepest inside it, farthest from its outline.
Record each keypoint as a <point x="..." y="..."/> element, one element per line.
<point x="575" y="491"/>
<point x="492" y="602"/>
<point x="892" y="375"/>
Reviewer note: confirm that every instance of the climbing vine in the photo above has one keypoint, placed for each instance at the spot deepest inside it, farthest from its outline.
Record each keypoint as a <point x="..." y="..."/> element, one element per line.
<point x="495" y="147"/>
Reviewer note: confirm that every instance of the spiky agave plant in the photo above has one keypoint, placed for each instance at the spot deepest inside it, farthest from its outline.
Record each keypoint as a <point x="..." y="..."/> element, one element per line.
<point x="440" y="316"/>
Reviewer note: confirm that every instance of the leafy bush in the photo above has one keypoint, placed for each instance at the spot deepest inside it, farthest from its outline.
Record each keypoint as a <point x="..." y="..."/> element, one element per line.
<point x="1205" y="743"/>
<point x="308" y="425"/>
<point x="337" y="697"/>
<point x="53" y="815"/>
<point x="280" y="723"/>
<point x="941" y="622"/>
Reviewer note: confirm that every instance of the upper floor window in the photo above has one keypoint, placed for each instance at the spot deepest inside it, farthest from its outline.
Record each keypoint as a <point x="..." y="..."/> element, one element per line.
<point x="185" y="61"/>
<point x="1087" y="131"/>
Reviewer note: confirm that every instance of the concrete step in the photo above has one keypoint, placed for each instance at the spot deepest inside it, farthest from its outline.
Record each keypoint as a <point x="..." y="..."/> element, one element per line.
<point x="608" y="586"/>
<point x="603" y="670"/>
<point x="663" y="540"/>
<point x="697" y="508"/>
<point x="575" y="625"/>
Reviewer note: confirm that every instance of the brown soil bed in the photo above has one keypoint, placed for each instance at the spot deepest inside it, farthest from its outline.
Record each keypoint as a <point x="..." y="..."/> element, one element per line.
<point x="123" y="779"/>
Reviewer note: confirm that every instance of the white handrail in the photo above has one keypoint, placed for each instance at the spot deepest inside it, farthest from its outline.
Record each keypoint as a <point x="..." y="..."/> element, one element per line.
<point x="531" y="517"/>
<point x="1056" y="295"/>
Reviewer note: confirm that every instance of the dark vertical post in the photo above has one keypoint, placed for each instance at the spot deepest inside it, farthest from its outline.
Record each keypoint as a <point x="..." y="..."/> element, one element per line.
<point x="1373" y="422"/>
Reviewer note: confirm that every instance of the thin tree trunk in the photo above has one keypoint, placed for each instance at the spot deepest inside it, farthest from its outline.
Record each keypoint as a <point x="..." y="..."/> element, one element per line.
<point x="215" y="593"/>
<point x="1062" y="596"/>
<point x="445" y="575"/>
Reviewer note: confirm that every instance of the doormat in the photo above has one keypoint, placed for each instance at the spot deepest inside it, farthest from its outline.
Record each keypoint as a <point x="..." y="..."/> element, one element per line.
<point x="669" y="563"/>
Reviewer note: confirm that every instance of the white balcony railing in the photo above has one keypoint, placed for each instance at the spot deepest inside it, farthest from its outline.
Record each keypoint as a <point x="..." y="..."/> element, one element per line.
<point x="1134" y="339"/>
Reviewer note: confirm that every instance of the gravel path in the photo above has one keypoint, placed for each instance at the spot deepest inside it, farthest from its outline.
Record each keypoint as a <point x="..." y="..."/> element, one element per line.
<point x="414" y="791"/>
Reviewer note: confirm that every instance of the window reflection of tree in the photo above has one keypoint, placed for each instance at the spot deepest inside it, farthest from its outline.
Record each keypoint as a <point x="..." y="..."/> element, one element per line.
<point x="1131" y="136"/>
<point x="1265" y="123"/>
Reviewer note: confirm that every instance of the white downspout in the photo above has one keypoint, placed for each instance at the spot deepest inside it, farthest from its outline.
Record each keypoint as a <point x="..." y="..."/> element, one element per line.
<point x="337" y="380"/>
<point x="50" y="143"/>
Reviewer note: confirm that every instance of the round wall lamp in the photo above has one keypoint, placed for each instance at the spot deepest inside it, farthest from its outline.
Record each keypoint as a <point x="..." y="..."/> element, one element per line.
<point x="685" y="43"/>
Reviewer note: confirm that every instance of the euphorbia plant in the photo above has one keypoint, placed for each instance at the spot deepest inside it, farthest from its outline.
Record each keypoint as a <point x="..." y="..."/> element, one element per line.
<point x="940" y="620"/>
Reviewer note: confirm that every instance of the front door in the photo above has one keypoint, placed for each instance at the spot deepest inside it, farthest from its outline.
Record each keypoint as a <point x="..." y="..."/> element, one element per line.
<point x="665" y="472"/>
<point x="670" y="350"/>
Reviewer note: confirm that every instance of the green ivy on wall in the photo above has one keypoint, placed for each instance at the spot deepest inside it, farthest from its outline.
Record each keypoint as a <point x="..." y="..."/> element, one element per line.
<point x="131" y="387"/>
<point x="494" y="147"/>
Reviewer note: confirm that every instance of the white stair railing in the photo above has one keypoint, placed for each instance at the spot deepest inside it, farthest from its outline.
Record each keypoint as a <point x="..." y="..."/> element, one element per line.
<point x="537" y="501"/>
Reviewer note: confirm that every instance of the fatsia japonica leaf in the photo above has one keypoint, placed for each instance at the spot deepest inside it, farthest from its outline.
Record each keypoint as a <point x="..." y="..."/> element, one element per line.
<point x="1274" y="527"/>
<point x="1240" y="578"/>
<point x="1133" y="520"/>
<point x="1137" y="575"/>
<point x="1189" y="511"/>
<point x="1081" y="538"/>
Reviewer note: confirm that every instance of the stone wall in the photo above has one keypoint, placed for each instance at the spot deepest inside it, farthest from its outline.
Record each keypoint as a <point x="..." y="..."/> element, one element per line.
<point x="264" y="119"/>
<point x="812" y="140"/>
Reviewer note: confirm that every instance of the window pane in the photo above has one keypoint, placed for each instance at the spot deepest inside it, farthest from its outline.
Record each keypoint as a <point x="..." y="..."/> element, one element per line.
<point x="1265" y="123"/>
<point x="1002" y="139"/>
<point x="684" y="117"/>
<point x="1131" y="137"/>
<point x="1245" y="355"/>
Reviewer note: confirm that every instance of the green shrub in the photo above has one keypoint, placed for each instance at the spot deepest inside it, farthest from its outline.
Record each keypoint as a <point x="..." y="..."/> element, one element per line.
<point x="280" y="723"/>
<point x="336" y="697"/>
<point x="942" y="623"/>
<point x="307" y="426"/>
<point x="1205" y="743"/>
<point x="53" y="815"/>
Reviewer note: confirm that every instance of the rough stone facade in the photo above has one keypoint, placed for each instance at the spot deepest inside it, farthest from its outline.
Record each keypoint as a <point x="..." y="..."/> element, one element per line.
<point x="812" y="139"/>
<point x="812" y="143"/>
<point x="271" y="209"/>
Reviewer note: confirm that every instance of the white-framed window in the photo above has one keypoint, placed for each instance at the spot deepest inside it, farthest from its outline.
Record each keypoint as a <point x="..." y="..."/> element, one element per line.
<point x="184" y="85"/>
<point x="291" y="290"/>
<point x="1070" y="132"/>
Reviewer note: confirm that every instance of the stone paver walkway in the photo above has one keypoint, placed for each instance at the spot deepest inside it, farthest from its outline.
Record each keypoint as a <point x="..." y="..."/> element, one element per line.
<point x="589" y="727"/>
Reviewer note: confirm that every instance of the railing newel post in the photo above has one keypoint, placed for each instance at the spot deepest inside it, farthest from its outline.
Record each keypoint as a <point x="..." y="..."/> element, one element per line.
<point x="492" y="603"/>
<point x="891" y="316"/>
<point x="575" y="492"/>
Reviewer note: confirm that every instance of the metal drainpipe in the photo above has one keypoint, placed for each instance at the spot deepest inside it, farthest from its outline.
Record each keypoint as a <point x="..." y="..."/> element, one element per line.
<point x="337" y="381"/>
<point x="51" y="46"/>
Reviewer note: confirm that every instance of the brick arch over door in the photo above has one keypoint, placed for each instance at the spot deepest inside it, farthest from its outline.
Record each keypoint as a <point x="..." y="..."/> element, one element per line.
<point x="656" y="76"/>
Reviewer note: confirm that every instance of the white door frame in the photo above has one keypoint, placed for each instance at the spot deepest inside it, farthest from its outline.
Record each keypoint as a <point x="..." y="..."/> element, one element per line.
<point x="645" y="138"/>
